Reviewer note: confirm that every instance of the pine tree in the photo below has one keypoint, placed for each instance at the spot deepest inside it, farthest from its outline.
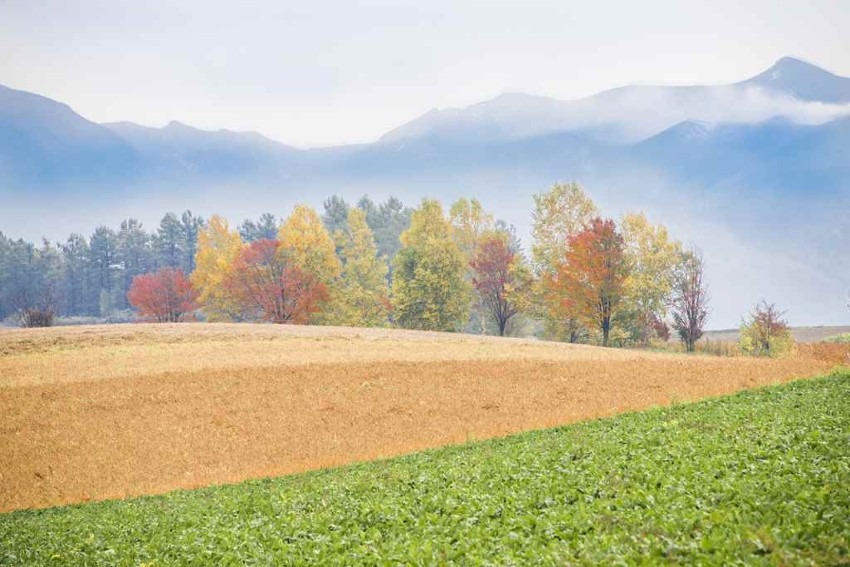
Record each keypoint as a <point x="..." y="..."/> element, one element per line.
<point x="133" y="252"/>
<point x="169" y="242"/>
<point x="103" y="250"/>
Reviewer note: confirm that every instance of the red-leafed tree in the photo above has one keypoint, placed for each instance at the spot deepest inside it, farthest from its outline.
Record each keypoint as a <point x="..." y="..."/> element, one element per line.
<point x="165" y="295"/>
<point x="264" y="282"/>
<point x="593" y="274"/>
<point x="499" y="278"/>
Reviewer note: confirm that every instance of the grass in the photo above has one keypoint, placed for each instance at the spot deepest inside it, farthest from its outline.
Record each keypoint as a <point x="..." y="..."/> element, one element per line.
<point x="760" y="477"/>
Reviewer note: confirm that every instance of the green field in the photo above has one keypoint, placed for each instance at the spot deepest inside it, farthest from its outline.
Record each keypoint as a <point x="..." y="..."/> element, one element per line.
<point x="762" y="477"/>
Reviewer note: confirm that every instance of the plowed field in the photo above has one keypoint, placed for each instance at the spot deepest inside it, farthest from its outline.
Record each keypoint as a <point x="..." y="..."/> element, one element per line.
<point x="92" y="413"/>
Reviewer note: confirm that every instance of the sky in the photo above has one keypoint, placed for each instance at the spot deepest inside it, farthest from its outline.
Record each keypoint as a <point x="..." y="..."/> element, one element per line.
<point x="325" y="73"/>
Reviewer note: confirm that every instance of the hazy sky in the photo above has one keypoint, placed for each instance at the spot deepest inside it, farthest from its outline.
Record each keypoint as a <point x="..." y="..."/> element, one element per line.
<point x="322" y="72"/>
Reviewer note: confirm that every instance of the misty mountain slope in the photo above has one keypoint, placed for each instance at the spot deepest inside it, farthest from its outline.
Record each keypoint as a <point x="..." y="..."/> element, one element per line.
<point x="183" y="150"/>
<point x="756" y="173"/>
<point x="793" y="89"/>
<point x="775" y="157"/>
<point x="44" y="141"/>
<point x="804" y="81"/>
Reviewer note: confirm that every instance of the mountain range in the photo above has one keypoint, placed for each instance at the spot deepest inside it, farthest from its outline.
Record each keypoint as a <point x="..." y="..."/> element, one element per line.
<point x="757" y="173"/>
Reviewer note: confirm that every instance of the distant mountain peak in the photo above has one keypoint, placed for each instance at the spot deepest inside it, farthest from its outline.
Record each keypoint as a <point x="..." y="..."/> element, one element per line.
<point x="789" y="62"/>
<point x="803" y="80"/>
<point x="177" y="125"/>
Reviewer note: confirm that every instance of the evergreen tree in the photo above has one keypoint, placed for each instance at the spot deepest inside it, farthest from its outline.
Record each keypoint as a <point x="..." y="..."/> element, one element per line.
<point x="103" y="247"/>
<point x="264" y="229"/>
<point x="169" y="242"/>
<point x="78" y="296"/>
<point x="335" y="216"/>
<point x="191" y="225"/>
<point x="387" y="221"/>
<point x="134" y="254"/>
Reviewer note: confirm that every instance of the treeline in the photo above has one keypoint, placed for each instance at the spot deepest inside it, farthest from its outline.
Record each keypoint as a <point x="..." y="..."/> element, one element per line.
<point x="90" y="276"/>
<point x="585" y="279"/>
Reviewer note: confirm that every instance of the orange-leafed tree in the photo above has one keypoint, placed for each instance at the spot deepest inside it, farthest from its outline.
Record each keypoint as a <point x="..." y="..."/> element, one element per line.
<point x="593" y="274"/>
<point x="499" y="278"/>
<point x="265" y="282"/>
<point x="165" y="295"/>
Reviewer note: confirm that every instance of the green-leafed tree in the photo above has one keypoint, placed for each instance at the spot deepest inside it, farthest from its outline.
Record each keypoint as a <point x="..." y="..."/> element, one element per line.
<point x="430" y="291"/>
<point x="363" y="292"/>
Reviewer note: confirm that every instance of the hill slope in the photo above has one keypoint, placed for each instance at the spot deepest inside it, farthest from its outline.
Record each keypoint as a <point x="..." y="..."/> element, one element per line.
<point x="756" y="478"/>
<point x="124" y="410"/>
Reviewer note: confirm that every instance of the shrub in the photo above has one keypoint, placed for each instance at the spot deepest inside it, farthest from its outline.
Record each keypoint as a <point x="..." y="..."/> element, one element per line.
<point x="36" y="318"/>
<point x="765" y="332"/>
<point x="166" y="296"/>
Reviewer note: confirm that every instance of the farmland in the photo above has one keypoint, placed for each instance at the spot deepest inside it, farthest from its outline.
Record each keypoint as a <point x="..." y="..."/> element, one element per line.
<point x="93" y="413"/>
<point x="760" y="477"/>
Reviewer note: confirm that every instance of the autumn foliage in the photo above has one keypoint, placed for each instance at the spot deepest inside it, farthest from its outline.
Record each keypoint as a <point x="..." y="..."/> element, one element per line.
<point x="586" y="278"/>
<point x="266" y="283"/>
<point x="766" y="331"/>
<point x="166" y="295"/>
<point x="593" y="276"/>
<point x="498" y="279"/>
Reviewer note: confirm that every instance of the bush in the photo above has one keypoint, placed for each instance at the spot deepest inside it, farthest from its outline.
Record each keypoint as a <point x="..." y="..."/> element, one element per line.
<point x="35" y="318"/>
<point x="766" y="332"/>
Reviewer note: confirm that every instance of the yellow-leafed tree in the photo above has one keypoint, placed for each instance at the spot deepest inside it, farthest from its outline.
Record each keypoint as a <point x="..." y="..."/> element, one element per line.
<point x="363" y="299"/>
<point x="305" y="240"/>
<point x="430" y="290"/>
<point x="218" y="247"/>
<point x="470" y="222"/>
<point x="559" y="214"/>
<point x="652" y="258"/>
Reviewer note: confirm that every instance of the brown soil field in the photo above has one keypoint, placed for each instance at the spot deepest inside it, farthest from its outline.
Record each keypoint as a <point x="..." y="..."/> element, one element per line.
<point x="89" y="413"/>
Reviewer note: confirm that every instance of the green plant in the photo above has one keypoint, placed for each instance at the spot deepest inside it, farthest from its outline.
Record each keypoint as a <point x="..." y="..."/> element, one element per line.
<point x="760" y="477"/>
